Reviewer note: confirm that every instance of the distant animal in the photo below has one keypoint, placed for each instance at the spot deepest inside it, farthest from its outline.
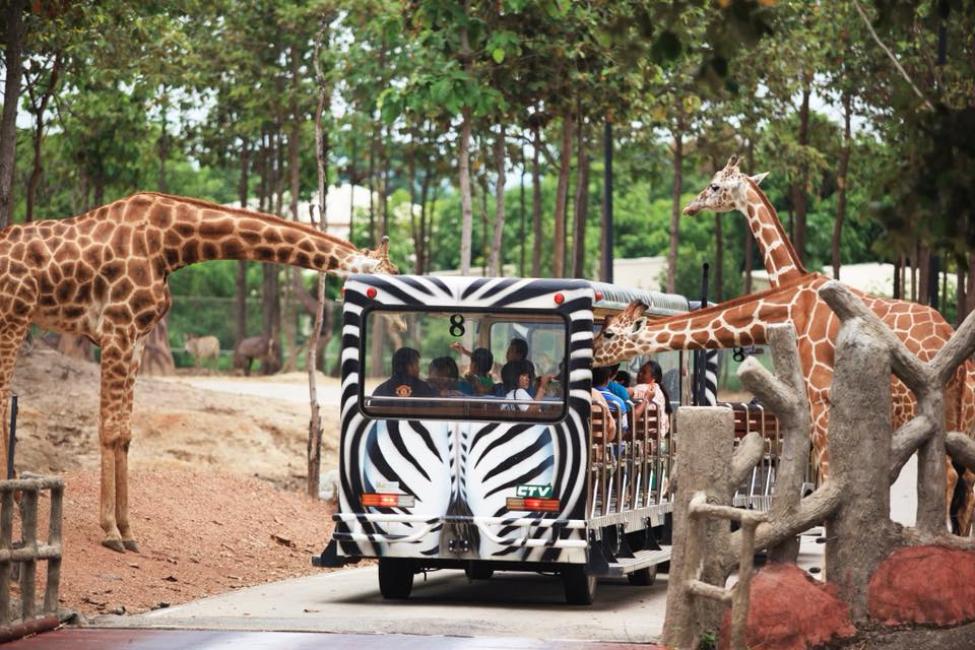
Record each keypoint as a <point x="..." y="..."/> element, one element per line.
<point x="202" y="347"/>
<point x="262" y="348"/>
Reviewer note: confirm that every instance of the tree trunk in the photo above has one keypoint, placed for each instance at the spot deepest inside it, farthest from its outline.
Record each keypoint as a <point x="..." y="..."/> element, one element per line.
<point x="39" y="109"/>
<point x="799" y="189"/>
<point x="749" y="245"/>
<point x="841" y="181"/>
<point x="581" y="207"/>
<point x="372" y="185"/>
<point x="898" y="274"/>
<point x="314" y="449"/>
<point x="970" y="284"/>
<point x="923" y="273"/>
<point x="536" y="204"/>
<point x="240" y="297"/>
<point x="466" y="209"/>
<point x="497" y="260"/>
<point x="290" y="325"/>
<point x="421" y="251"/>
<point x="562" y="197"/>
<point x="675" y="206"/>
<point x="522" y="235"/>
<point x="411" y="181"/>
<point x="718" y="259"/>
<point x="352" y="181"/>
<point x="162" y="147"/>
<point x="270" y="307"/>
<point x="13" y="67"/>
<point x="482" y="181"/>
<point x="384" y="186"/>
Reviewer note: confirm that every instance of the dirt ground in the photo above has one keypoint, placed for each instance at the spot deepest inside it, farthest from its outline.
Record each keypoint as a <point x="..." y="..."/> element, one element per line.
<point x="216" y="485"/>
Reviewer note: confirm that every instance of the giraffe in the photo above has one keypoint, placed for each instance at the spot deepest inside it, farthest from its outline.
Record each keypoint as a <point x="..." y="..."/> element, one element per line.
<point x="102" y="275"/>
<point x="793" y="298"/>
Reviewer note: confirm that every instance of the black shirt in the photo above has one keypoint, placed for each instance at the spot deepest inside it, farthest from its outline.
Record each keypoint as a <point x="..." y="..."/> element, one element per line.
<point x="404" y="387"/>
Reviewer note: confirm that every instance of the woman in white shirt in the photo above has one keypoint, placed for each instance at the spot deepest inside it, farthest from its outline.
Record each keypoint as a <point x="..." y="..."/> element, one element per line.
<point x="517" y="377"/>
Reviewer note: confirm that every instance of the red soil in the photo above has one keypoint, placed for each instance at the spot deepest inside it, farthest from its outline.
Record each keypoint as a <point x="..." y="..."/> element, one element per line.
<point x="790" y="611"/>
<point x="929" y="585"/>
<point x="200" y="533"/>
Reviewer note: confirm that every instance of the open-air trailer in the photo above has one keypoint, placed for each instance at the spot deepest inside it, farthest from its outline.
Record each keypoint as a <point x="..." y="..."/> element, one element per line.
<point x="484" y="483"/>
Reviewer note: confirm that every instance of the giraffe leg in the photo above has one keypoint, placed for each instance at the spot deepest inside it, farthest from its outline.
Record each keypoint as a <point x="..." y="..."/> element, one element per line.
<point x="114" y="435"/>
<point x="965" y="516"/>
<point x="952" y="514"/>
<point x="122" y="458"/>
<point x="12" y="333"/>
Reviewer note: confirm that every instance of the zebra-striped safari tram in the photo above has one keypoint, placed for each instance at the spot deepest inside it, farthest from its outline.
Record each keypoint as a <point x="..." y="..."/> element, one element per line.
<point x="471" y="439"/>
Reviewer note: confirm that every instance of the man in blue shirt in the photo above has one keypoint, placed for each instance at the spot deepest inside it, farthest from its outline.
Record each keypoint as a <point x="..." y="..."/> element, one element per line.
<point x="600" y="381"/>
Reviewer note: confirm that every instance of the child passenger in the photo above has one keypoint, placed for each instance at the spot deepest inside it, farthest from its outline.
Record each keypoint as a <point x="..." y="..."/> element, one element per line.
<point x="517" y="377"/>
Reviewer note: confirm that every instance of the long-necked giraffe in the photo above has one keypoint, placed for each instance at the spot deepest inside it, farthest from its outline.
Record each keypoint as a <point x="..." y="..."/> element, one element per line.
<point x="103" y="275"/>
<point x="794" y="298"/>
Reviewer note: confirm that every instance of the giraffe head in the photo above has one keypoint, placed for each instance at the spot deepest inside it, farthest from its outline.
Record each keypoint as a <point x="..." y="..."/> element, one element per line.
<point x="374" y="261"/>
<point x="615" y="342"/>
<point x="726" y="191"/>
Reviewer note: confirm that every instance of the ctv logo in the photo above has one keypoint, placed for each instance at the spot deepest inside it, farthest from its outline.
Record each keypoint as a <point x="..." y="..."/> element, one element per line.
<point x="539" y="491"/>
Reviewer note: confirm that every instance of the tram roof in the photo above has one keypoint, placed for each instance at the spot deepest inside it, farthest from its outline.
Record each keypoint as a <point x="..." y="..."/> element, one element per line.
<point x="618" y="297"/>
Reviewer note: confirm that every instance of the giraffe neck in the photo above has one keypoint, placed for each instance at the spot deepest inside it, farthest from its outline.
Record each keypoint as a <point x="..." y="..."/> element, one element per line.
<point x="743" y="321"/>
<point x="781" y="260"/>
<point x="198" y="231"/>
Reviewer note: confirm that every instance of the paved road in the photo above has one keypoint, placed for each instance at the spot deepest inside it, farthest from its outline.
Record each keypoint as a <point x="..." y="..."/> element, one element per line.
<point x="104" y="639"/>
<point x="518" y="605"/>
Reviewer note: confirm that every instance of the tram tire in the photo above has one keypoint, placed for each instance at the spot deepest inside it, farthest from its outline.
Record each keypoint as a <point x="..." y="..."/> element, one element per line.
<point x="580" y="587"/>
<point x="478" y="571"/>
<point x="395" y="577"/>
<point x="643" y="577"/>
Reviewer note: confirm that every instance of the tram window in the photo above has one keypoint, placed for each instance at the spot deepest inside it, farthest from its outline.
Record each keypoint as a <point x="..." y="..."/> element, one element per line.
<point x="452" y="365"/>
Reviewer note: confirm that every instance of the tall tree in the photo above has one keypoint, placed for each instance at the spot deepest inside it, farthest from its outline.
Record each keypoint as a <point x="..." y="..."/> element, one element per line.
<point x="13" y="36"/>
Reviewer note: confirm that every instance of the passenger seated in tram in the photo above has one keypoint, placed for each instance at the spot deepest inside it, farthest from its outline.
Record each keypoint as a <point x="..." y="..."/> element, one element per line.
<point x="600" y="381"/>
<point x="444" y="377"/>
<point x="649" y="387"/>
<point x="623" y="379"/>
<point x="517" y="377"/>
<point x="609" y="422"/>
<point x="405" y="380"/>
<point x="479" y="375"/>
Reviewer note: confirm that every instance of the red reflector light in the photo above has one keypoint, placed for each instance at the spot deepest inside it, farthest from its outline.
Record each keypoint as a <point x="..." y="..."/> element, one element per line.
<point x="599" y="296"/>
<point x="559" y="299"/>
<point x="543" y="505"/>
<point x="371" y="500"/>
<point x="371" y="292"/>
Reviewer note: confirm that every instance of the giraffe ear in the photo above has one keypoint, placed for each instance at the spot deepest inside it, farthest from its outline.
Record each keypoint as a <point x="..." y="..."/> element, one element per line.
<point x="638" y="325"/>
<point x="758" y="178"/>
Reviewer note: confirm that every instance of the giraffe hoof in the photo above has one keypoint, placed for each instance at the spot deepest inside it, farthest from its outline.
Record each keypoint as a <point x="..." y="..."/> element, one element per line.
<point x="130" y="545"/>
<point x="114" y="544"/>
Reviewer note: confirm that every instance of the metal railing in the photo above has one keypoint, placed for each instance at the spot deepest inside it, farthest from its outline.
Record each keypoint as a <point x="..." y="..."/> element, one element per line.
<point x="630" y="471"/>
<point x="26" y="553"/>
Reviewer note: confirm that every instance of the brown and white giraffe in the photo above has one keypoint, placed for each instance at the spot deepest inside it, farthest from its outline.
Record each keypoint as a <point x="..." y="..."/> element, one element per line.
<point x="795" y="299"/>
<point x="103" y="275"/>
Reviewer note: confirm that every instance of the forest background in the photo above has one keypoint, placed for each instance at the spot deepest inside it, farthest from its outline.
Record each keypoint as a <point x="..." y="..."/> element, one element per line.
<point x="491" y="118"/>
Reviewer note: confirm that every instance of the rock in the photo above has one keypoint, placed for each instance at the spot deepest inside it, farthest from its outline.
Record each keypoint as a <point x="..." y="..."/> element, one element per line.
<point x="162" y="604"/>
<point x="926" y="585"/>
<point x="283" y="541"/>
<point x="118" y="611"/>
<point x="171" y="579"/>
<point x="788" y="610"/>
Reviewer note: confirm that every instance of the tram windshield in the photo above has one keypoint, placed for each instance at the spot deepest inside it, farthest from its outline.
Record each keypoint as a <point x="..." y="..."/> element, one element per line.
<point x="464" y="365"/>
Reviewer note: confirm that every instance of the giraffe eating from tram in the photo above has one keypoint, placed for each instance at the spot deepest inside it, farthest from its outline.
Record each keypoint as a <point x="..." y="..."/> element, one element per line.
<point x="103" y="274"/>
<point x="793" y="298"/>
